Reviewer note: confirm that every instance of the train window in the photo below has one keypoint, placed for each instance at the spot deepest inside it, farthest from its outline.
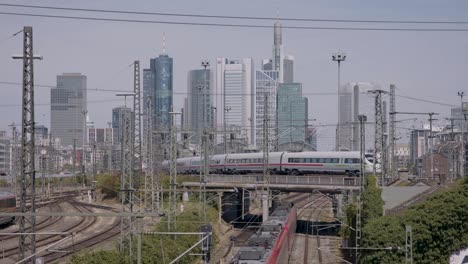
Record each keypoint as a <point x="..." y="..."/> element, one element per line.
<point x="294" y="160"/>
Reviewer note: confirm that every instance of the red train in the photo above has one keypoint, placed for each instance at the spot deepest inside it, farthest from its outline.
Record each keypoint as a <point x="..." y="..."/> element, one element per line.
<point x="273" y="241"/>
<point x="284" y="242"/>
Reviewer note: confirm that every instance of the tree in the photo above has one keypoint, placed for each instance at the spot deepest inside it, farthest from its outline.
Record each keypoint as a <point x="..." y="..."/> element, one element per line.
<point x="372" y="203"/>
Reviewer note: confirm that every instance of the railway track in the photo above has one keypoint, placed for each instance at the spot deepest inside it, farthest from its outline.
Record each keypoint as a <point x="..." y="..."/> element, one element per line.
<point x="86" y="242"/>
<point x="82" y="224"/>
<point x="309" y="207"/>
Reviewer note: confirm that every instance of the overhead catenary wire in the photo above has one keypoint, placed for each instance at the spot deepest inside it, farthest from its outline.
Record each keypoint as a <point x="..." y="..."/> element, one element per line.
<point x="234" y="25"/>
<point x="234" y="17"/>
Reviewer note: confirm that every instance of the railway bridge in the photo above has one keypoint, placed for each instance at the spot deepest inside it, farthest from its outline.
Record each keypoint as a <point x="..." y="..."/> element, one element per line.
<point x="236" y="204"/>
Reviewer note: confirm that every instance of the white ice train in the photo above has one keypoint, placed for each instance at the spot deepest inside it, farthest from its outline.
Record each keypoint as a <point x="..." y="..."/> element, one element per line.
<point x="295" y="163"/>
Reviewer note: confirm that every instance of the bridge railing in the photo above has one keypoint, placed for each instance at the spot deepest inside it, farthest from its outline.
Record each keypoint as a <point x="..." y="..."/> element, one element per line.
<point x="287" y="179"/>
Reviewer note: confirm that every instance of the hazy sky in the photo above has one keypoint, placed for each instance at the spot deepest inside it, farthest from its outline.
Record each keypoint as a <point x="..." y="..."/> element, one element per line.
<point x="427" y="65"/>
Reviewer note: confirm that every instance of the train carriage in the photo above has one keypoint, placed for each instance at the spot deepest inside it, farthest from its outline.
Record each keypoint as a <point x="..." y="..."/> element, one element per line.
<point x="7" y="205"/>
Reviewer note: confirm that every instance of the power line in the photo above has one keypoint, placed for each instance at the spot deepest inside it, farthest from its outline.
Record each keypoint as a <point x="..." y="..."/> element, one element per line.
<point x="53" y="86"/>
<point x="236" y="25"/>
<point x="48" y="104"/>
<point x="236" y="17"/>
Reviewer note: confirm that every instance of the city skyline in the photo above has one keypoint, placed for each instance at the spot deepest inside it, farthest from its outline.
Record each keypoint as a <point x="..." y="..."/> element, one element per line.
<point x="417" y="66"/>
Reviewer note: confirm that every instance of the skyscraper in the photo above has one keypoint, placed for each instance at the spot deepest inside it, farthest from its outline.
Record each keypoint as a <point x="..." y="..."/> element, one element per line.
<point x="199" y="111"/>
<point x="292" y="113"/>
<point x="266" y="83"/>
<point x="355" y="100"/>
<point x="235" y="105"/>
<point x="161" y="68"/>
<point x="278" y="54"/>
<point x="117" y="114"/>
<point x="68" y="101"/>
<point x="288" y="69"/>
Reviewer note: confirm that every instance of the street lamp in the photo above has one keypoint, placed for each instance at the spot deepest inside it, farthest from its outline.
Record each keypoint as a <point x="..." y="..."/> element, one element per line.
<point x="338" y="57"/>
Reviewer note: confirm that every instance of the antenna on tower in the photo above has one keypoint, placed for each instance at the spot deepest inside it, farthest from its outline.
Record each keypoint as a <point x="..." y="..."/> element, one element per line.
<point x="164" y="42"/>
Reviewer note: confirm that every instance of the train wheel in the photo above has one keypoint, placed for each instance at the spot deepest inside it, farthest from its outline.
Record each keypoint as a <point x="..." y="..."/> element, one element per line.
<point x="295" y="172"/>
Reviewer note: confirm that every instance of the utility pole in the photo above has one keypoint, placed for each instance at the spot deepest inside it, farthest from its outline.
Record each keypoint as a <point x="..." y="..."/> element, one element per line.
<point x="362" y="134"/>
<point x="151" y="199"/>
<point x="14" y="156"/>
<point x="109" y="141"/>
<point x="74" y="161"/>
<point x="83" y="155"/>
<point x="408" y="245"/>
<point x="379" y="138"/>
<point x="204" y="139"/>
<point x="136" y="144"/>
<point x="431" y="114"/>
<point x="266" y="171"/>
<point x="392" y="134"/>
<point x="126" y="184"/>
<point x="172" y="210"/>
<point x="338" y="57"/>
<point x="50" y="164"/>
<point x="462" y="128"/>
<point x="27" y="224"/>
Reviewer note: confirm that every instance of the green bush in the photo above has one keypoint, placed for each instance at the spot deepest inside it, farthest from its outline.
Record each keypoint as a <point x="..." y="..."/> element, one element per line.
<point x="109" y="185"/>
<point x="440" y="227"/>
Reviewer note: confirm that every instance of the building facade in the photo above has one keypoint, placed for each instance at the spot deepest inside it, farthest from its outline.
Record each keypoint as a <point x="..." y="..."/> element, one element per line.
<point x="292" y="113"/>
<point x="4" y="153"/>
<point x="68" y="102"/>
<point x="235" y="104"/>
<point x="288" y="69"/>
<point x="355" y="100"/>
<point x="117" y="114"/>
<point x="199" y="112"/>
<point x="266" y="84"/>
<point x="162" y="72"/>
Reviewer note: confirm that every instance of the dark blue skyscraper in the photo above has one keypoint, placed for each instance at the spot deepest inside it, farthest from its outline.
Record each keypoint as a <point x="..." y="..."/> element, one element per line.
<point x="161" y="68"/>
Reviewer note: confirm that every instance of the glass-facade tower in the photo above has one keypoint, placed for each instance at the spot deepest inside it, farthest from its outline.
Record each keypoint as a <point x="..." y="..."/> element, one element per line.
<point x="199" y="112"/>
<point x="161" y="68"/>
<point x="68" y="101"/>
<point x="292" y="113"/>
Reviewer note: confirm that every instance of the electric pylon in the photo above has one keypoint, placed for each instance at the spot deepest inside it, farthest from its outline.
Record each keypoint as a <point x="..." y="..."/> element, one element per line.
<point x="362" y="148"/>
<point x="150" y="184"/>
<point x="392" y="134"/>
<point x="126" y="184"/>
<point x="27" y="224"/>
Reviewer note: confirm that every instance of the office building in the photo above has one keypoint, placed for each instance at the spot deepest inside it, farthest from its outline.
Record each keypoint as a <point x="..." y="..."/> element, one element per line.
<point x="292" y="114"/>
<point x="68" y="102"/>
<point x="199" y="111"/>
<point x="354" y="100"/>
<point x="4" y="153"/>
<point x="266" y="83"/>
<point x="117" y="114"/>
<point x="288" y="69"/>
<point x="162" y="75"/>
<point x="235" y="104"/>
<point x="278" y="53"/>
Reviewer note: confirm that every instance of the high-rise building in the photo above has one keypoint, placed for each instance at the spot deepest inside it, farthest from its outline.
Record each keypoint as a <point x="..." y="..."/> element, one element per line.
<point x="68" y="101"/>
<point x="4" y="153"/>
<point x="117" y="114"/>
<point x="292" y="113"/>
<point x="199" y="113"/>
<point x="355" y="99"/>
<point x="288" y="69"/>
<point x="266" y="83"/>
<point x="278" y="54"/>
<point x="235" y="104"/>
<point x="161" y="68"/>
<point x="457" y="117"/>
